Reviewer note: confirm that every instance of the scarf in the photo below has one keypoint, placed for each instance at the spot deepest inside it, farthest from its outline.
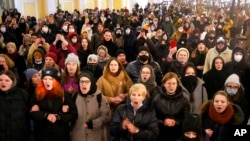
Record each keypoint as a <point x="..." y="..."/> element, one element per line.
<point x="221" y="118"/>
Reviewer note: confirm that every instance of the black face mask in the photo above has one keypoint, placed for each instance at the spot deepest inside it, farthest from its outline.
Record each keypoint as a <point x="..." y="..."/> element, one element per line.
<point x="185" y="138"/>
<point x="118" y="35"/>
<point x="144" y="58"/>
<point x="92" y="66"/>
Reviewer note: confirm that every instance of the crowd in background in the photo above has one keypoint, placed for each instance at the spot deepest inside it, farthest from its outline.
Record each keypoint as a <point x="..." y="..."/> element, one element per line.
<point x="165" y="72"/>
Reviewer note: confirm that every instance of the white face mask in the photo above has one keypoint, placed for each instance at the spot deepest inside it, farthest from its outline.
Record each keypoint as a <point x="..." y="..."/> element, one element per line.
<point x="65" y="28"/>
<point x="45" y="29"/>
<point x="238" y="58"/>
<point x="74" y="40"/>
<point x="71" y="30"/>
<point x="127" y="31"/>
<point x="3" y="29"/>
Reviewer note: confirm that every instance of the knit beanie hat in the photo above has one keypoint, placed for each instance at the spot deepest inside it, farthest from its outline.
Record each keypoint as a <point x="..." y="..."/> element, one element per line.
<point x="51" y="55"/>
<point x="91" y="77"/>
<point x="29" y="73"/>
<point x="92" y="57"/>
<point x="233" y="78"/>
<point x="120" y="51"/>
<point x="72" y="58"/>
<point x="143" y="48"/>
<point x="192" y="122"/>
<point x="182" y="49"/>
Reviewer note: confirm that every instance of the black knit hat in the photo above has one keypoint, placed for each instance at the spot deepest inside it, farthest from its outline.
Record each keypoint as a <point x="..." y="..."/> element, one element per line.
<point x="91" y="77"/>
<point x="143" y="48"/>
<point x="192" y="122"/>
<point x="120" y="51"/>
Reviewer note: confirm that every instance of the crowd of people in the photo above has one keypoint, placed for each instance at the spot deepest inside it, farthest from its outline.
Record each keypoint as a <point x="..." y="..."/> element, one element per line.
<point x="153" y="74"/>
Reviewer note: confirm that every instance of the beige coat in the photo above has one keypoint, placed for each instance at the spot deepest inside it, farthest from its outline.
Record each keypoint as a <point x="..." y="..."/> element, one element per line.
<point x="212" y="53"/>
<point x="87" y="108"/>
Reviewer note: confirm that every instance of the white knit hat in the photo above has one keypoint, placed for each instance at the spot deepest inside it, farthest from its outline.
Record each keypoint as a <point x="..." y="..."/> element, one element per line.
<point x="233" y="78"/>
<point x="72" y="58"/>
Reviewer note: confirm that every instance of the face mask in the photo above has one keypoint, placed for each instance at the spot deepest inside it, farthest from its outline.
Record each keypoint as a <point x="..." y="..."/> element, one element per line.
<point x="74" y="40"/>
<point x="92" y="66"/>
<point x="118" y="35"/>
<point x="180" y="30"/>
<point x="3" y="29"/>
<point x="231" y="91"/>
<point x="65" y="28"/>
<point x="88" y="28"/>
<point x="38" y="62"/>
<point x="45" y="29"/>
<point x="238" y="58"/>
<point x="127" y="31"/>
<point x="188" y="139"/>
<point x="152" y="28"/>
<point x="71" y="30"/>
<point x="143" y="58"/>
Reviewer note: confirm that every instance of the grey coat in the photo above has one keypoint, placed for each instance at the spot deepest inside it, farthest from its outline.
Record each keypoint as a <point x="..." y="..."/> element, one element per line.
<point x="200" y="95"/>
<point x="88" y="109"/>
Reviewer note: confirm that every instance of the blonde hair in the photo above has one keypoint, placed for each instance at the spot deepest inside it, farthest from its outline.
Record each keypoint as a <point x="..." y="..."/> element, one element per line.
<point x="8" y="61"/>
<point x="11" y="44"/>
<point x="139" y="88"/>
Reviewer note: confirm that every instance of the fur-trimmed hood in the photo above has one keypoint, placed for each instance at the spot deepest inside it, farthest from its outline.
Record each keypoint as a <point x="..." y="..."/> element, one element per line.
<point x="238" y="116"/>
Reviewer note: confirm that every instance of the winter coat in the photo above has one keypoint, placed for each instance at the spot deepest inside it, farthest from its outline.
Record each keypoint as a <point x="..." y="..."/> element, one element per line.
<point x="111" y="86"/>
<point x="212" y="53"/>
<point x="174" y="66"/>
<point x="32" y="48"/>
<point x="83" y="55"/>
<point x="62" y="54"/>
<point x="47" y="131"/>
<point x="133" y="69"/>
<point x="144" y="118"/>
<point x="221" y="132"/>
<point x="173" y="107"/>
<point x="199" y="96"/>
<point x="14" y="115"/>
<point x="214" y="81"/>
<point x="88" y="110"/>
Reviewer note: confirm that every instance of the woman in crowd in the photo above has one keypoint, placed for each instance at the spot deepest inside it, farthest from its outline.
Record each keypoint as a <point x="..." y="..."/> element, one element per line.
<point x="193" y="88"/>
<point x="52" y="109"/>
<point x="93" y="111"/>
<point x="18" y="60"/>
<point x="192" y="128"/>
<point x="215" y="78"/>
<point x="7" y="64"/>
<point x="69" y="77"/>
<point x="50" y="63"/>
<point x="135" y="119"/>
<point x="114" y="83"/>
<point x="13" y="110"/>
<point x="147" y="78"/>
<point x="176" y="66"/>
<point x="170" y="107"/>
<point x="198" y="57"/>
<point x="93" y="67"/>
<point x="83" y="52"/>
<point x="33" y="78"/>
<point x="219" y="116"/>
<point x="236" y="94"/>
<point x="103" y="56"/>
<point x="61" y="48"/>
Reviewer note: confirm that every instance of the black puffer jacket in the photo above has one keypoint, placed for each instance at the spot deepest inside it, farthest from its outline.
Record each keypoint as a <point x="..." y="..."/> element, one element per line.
<point x="47" y="131"/>
<point x="173" y="107"/>
<point x="14" y="115"/>
<point x="144" y="118"/>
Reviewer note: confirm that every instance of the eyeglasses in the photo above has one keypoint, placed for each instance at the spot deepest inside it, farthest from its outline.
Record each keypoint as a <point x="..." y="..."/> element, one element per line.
<point x="232" y="87"/>
<point x="84" y="81"/>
